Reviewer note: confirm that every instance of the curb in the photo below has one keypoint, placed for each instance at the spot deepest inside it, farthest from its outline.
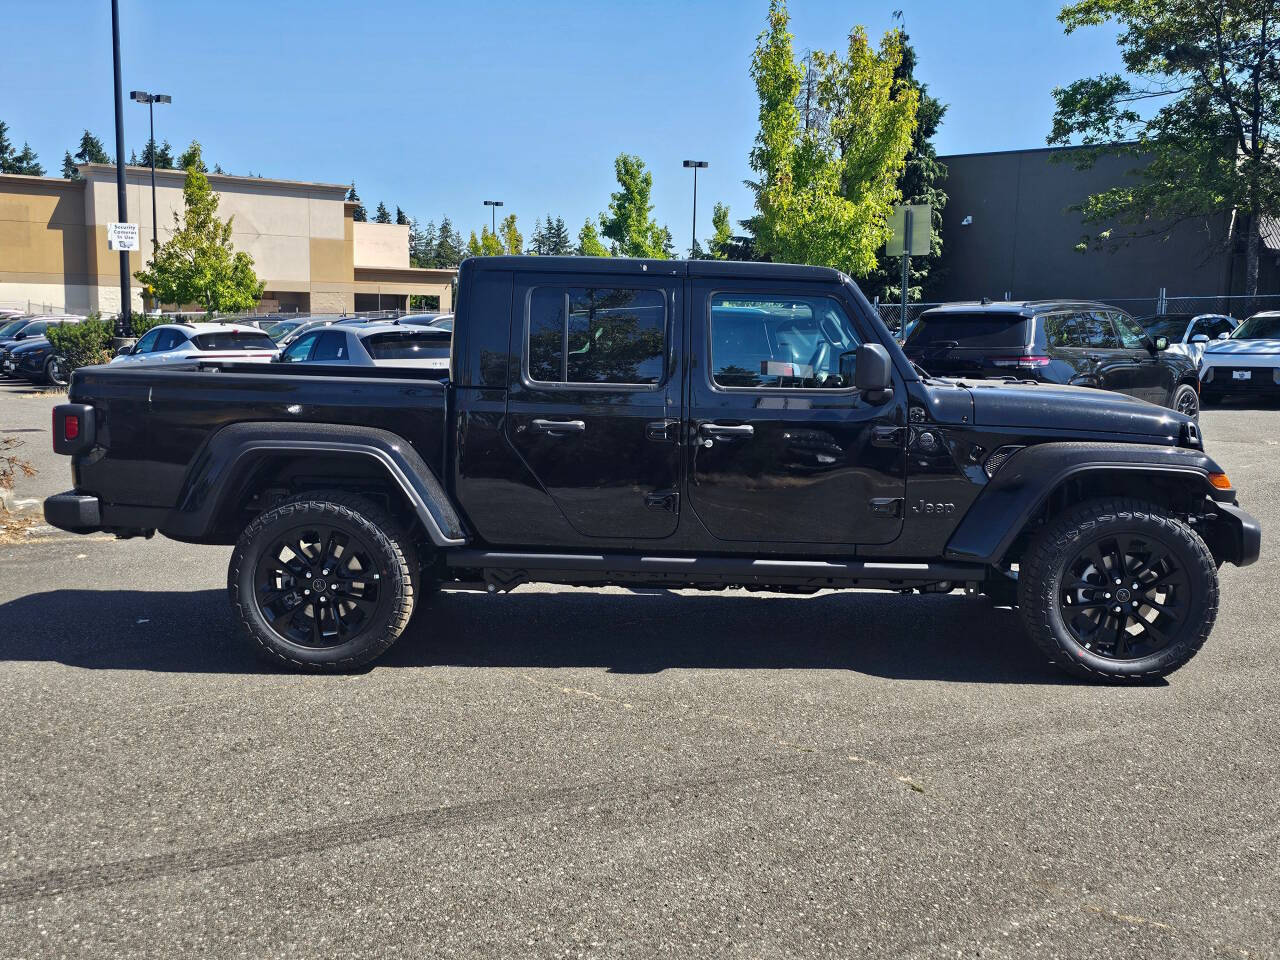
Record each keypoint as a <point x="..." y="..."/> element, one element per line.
<point x="9" y="503"/>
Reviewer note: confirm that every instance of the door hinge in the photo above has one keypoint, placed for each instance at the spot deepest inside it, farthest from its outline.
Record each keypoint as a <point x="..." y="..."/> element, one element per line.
<point x="886" y="506"/>
<point x="668" y="500"/>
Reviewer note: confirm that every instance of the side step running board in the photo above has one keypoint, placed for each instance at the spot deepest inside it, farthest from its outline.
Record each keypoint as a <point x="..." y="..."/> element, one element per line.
<point x="744" y="570"/>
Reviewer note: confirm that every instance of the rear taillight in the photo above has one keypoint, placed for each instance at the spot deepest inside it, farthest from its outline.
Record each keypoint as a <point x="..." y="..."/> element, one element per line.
<point x="1020" y="361"/>
<point x="73" y="427"/>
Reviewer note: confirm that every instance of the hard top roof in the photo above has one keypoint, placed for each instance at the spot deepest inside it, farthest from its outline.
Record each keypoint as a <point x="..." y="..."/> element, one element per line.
<point x="1024" y="308"/>
<point x="657" y="268"/>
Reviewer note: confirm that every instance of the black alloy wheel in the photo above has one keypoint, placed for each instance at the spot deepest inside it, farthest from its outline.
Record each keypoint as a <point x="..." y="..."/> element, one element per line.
<point x="317" y="585"/>
<point x="1187" y="401"/>
<point x="1124" y="597"/>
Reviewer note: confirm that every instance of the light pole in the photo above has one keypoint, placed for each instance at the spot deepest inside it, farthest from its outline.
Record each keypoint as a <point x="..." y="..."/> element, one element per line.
<point x="151" y="99"/>
<point x="493" y="206"/>
<point x="125" y="324"/>
<point x="696" y="165"/>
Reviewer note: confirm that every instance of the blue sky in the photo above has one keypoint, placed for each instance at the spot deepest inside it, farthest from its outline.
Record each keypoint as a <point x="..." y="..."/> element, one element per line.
<point x="437" y="106"/>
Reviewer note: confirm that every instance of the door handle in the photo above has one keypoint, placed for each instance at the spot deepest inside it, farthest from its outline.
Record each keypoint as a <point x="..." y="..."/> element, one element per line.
<point x="726" y="430"/>
<point x="559" y="427"/>
<point x="659" y="430"/>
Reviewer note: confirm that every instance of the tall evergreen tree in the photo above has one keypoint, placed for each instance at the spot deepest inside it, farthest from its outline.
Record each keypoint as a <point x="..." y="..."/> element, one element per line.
<point x="69" y="171"/>
<point x="402" y="219"/>
<point x="91" y="151"/>
<point x="164" y="155"/>
<point x="921" y="181"/>
<point x="359" y="214"/>
<point x="538" y="240"/>
<point x="450" y="247"/>
<point x="382" y="214"/>
<point x="22" y="161"/>
<point x="556" y="238"/>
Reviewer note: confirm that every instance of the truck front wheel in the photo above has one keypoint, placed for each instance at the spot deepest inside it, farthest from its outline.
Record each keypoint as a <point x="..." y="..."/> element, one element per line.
<point x="1115" y="589"/>
<point x="323" y="581"/>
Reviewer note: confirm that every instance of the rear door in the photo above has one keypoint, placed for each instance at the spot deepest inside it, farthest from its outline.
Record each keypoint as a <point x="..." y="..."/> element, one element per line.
<point x="594" y="409"/>
<point x="783" y="450"/>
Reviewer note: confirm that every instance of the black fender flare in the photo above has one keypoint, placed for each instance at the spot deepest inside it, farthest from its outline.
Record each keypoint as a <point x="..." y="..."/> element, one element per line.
<point x="232" y="451"/>
<point x="1021" y="487"/>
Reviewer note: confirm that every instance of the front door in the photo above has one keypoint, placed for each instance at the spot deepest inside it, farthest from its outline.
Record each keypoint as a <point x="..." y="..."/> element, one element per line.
<point x="594" y="409"/>
<point x="783" y="449"/>
<point x="1152" y="379"/>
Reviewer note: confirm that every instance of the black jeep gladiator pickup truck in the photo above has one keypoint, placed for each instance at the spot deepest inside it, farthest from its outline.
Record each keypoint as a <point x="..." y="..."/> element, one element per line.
<point x="662" y="424"/>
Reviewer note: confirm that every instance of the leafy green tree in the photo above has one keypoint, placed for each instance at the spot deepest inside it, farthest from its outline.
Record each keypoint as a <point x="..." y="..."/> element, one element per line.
<point x="723" y="232"/>
<point x="193" y="156"/>
<point x="491" y="244"/>
<point x="1199" y="102"/>
<point x="589" y="244"/>
<point x="402" y="218"/>
<point x="22" y="161"/>
<point x="824" y="194"/>
<point x="921" y="181"/>
<point x="198" y="263"/>
<point x="164" y="155"/>
<point x="629" y="222"/>
<point x="510" y="238"/>
<point x="473" y="246"/>
<point x="359" y="214"/>
<point x="382" y="214"/>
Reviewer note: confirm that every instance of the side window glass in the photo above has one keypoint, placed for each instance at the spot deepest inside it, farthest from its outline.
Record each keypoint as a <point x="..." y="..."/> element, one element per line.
<point x="779" y="342"/>
<point x="1131" y="335"/>
<point x="300" y="348"/>
<point x="1063" y="330"/>
<point x="597" y="335"/>
<point x="148" y="342"/>
<point x="167" y="340"/>
<point x="1096" y="332"/>
<point x="1218" y="327"/>
<point x="331" y="346"/>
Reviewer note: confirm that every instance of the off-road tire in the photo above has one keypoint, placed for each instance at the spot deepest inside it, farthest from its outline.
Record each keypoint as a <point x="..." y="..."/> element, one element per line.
<point x="395" y="558"/>
<point x="1050" y="553"/>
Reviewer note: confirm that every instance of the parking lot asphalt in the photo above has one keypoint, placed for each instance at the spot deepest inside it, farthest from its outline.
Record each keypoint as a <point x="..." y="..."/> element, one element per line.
<point x="573" y="773"/>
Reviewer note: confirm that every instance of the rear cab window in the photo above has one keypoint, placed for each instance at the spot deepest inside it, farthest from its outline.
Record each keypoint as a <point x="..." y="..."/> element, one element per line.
<point x="406" y="345"/>
<point x="596" y="335"/>
<point x="968" y="331"/>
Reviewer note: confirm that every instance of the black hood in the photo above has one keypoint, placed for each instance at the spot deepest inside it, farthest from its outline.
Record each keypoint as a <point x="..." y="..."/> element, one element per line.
<point x="1050" y="406"/>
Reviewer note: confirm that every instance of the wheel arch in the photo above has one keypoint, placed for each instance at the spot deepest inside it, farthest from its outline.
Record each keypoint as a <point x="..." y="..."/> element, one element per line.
<point x="244" y="466"/>
<point x="1042" y="481"/>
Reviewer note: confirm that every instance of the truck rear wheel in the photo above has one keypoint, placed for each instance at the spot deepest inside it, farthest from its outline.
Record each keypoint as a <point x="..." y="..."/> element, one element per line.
<point x="323" y="581"/>
<point x="1116" y="590"/>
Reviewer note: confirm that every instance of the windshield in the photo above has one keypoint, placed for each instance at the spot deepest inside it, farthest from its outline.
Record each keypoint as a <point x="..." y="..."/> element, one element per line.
<point x="12" y="327"/>
<point x="1005" y="331"/>
<point x="1261" y="326"/>
<point x="235" y="340"/>
<point x="1171" y="328"/>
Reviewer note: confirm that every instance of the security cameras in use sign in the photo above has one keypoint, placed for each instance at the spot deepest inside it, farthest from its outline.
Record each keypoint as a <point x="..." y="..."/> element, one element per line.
<point x="122" y="236"/>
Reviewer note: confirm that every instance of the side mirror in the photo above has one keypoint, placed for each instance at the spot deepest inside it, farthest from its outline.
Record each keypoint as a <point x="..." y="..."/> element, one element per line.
<point x="873" y="370"/>
<point x="1162" y="343"/>
<point x="124" y="351"/>
<point x="1224" y="335"/>
<point x="1200" y="338"/>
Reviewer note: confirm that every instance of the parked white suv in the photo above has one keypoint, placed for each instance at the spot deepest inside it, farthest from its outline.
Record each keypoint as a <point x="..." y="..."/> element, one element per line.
<point x="181" y="346"/>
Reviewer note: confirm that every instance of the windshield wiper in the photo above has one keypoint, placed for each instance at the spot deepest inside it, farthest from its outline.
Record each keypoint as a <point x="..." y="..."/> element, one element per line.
<point x="924" y="374"/>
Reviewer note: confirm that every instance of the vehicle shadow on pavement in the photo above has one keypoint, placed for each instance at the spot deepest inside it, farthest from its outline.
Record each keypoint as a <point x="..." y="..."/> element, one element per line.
<point x="952" y="638"/>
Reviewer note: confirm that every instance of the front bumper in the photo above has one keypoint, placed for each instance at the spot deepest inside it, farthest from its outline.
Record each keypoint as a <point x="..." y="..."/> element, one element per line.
<point x="1233" y="535"/>
<point x="73" y="512"/>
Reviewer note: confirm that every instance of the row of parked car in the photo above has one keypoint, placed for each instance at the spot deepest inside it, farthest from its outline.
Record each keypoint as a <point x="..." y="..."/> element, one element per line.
<point x="413" y="340"/>
<point x="1175" y="360"/>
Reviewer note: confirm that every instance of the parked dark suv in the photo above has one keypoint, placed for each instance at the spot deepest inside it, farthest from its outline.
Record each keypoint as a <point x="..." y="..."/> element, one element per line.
<point x="1054" y="341"/>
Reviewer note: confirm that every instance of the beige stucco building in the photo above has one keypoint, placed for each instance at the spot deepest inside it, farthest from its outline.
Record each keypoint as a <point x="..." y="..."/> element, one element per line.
<point x="305" y="246"/>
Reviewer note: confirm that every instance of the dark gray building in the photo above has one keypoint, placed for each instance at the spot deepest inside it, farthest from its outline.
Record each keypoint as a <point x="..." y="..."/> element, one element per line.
<point x="1007" y="228"/>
